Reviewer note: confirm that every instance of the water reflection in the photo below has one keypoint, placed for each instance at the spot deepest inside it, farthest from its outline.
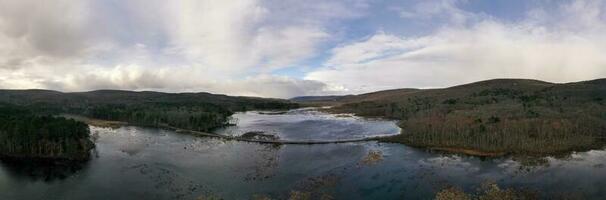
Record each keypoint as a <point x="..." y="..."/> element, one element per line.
<point x="41" y="170"/>
<point x="147" y="163"/>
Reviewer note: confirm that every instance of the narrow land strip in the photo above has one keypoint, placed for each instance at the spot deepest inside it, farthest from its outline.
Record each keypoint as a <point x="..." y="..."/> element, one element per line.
<point x="116" y="124"/>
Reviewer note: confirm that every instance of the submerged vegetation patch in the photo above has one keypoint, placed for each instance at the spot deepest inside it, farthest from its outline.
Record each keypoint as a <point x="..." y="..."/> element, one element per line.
<point x="488" y="191"/>
<point x="373" y="157"/>
<point x="259" y="135"/>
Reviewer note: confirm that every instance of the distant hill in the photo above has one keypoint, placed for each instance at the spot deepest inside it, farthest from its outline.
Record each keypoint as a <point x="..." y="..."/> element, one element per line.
<point x="333" y="100"/>
<point x="235" y="103"/>
<point x="316" y="99"/>
<point x="499" y="116"/>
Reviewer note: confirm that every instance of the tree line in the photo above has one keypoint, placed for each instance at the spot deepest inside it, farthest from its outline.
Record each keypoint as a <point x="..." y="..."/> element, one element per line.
<point x="201" y="117"/>
<point x="25" y="134"/>
<point x="517" y="117"/>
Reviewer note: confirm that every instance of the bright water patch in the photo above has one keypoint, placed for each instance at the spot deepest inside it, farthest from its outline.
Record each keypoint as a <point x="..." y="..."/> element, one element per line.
<point x="309" y="124"/>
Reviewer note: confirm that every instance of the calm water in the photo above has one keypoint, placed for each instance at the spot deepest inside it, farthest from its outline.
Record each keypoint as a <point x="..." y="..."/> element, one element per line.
<point x="309" y="124"/>
<point x="142" y="163"/>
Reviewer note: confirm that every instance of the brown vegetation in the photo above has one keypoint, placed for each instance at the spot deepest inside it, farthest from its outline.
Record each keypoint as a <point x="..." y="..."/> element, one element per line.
<point x="372" y="158"/>
<point x="488" y="191"/>
<point x="493" y="117"/>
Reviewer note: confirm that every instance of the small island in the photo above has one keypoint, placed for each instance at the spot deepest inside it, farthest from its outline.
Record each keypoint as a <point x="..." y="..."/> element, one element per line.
<point x="24" y="135"/>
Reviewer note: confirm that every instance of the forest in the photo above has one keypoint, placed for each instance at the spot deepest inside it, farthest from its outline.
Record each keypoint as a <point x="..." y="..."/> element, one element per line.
<point x="29" y="126"/>
<point x="191" y="117"/>
<point x="24" y="134"/>
<point x="193" y="111"/>
<point x="502" y="116"/>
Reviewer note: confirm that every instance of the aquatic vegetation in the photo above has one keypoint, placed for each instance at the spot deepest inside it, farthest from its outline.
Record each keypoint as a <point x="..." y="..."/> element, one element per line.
<point x="488" y="191"/>
<point x="264" y="167"/>
<point x="260" y="197"/>
<point x="296" y="195"/>
<point x="163" y="178"/>
<point x="209" y="197"/>
<point x="529" y="163"/>
<point x="452" y="193"/>
<point x="373" y="157"/>
<point x="259" y="135"/>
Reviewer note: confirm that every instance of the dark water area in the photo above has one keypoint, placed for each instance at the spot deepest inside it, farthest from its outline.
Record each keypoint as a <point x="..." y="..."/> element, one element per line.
<point x="47" y="170"/>
<point x="146" y="163"/>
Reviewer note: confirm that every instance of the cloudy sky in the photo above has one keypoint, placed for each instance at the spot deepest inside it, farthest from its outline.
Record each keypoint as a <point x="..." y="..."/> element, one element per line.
<point x="286" y="48"/>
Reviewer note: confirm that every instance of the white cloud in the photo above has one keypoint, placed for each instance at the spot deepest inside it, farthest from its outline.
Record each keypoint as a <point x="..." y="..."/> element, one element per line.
<point x="233" y="47"/>
<point x="30" y="31"/>
<point x="378" y="46"/>
<point x="238" y="35"/>
<point x="532" y="48"/>
<point x="274" y="86"/>
<point x="279" y="48"/>
<point x="173" y="79"/>
<point x="213" y="45"/>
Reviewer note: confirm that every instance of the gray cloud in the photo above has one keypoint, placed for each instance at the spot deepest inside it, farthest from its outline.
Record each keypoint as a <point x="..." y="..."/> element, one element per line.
<point x="54" y="29"/>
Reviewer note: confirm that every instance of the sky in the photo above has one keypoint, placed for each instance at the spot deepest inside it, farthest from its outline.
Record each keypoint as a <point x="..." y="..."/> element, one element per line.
<point x="287" y="48"/>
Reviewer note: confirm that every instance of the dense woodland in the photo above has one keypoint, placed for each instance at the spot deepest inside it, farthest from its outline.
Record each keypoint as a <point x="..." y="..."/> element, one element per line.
<point x="194" y="111"/>
<point x="28" y="128"/>
<point x="192" y="117"/>
<point x="24" y="134"/>
<point x="505" y="115"/>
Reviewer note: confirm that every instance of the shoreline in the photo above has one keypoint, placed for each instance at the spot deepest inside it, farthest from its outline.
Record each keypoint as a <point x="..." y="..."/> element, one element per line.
<point x="492" y="154"/>
<point x="95" y="122"/>
<point x="117" y="124"/>
<point x="471" y="152"/>
<point x="380" y="139"/>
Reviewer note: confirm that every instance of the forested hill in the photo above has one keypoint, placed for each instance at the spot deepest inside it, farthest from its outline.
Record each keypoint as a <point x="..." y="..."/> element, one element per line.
<point x="122" y="97"/>
<point x="501" y="115"/>
<point x="339" y="100"/>
<point x="196" y="111"/>
<point x="317" y="98"/>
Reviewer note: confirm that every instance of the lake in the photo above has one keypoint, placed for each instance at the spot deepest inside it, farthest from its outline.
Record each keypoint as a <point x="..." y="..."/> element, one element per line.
<point x="309" y="124"/>
<point x="147" y="163"/>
